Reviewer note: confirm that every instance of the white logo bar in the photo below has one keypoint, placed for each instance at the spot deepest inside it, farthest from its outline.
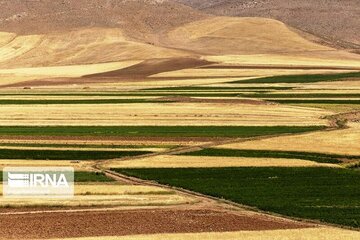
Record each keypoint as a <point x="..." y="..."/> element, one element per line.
<point x="38" y="182"/>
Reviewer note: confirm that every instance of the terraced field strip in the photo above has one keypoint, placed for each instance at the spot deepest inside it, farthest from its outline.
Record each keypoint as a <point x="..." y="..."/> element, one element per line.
<point x="130" y="94"/>
<point x="339" y="142"/>
<point x="82" y="146"/>
<point x="46" y="154"/>
<point x="156" y="131"/>
<point x="186" y="161"/>
<point x="316" y="101"/>
<point x="325" y="194"/>
<point x="302" y="78"/>
<point x="215" y="88"/>
<point x="305" y="95"/>
<point x="317" y="157"/>
<point x="321" y="233"/>
<point x="82" y="101"/>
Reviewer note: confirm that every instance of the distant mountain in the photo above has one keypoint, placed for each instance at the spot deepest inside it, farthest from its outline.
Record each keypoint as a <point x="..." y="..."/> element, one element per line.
<point x="336" y="21"/>
<point x="71" y="32"/>
<point x="138" y="18"/>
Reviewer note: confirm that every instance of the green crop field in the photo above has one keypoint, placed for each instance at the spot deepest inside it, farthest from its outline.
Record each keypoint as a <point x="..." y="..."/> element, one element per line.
<point x="302" y="78"/>
<point x="44" y="154"/>
<point x="326" y="194"/>
<point x="154" y="131"/>
<point x="77" y="101"/>
<point x="95" y="146"/>
<point x="317" y="157"/>
<point x="317" y="101"/>
<point x="304" y="95"/>
<point x="210" y="88"/>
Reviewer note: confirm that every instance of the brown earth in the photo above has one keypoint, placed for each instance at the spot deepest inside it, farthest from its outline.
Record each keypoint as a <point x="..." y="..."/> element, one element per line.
<point x="132" y="222"/>
<point x="336" y="22"/>
<point x="151" y="67"/>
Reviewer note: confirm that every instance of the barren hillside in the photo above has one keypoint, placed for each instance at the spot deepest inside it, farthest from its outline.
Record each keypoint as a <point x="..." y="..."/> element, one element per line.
<point x="140" y="19"/>
<point x="71" y="32"/>
<point x="333" y="20"/>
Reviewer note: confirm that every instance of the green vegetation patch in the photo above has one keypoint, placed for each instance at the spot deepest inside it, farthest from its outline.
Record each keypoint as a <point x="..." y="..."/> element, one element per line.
<point x="301" y="78"/>
<point x="306" y="95"/>
<point x="210" y="88"/>
<point x="91" y="177"/>
<point x="328" y="194"/>
<point x="84" y="145"/>
<point x="317" y="157"/>
<point x="75" y="101"/>
<point x="315" y="101"/>
<point x="154" y="131"/>
<point x="65" y="154"/>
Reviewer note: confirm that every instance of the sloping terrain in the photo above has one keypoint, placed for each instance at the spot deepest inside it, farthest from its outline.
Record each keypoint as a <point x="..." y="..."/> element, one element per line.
<point x="58" y="33"/>
<point x="225" y="35"/>
<point x="334" y="21"/>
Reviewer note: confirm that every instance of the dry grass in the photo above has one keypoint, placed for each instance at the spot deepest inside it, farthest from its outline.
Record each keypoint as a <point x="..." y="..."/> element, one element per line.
<point x="101" y="200"/>
<point x="89" y="195"/>
<point x="169" y="161"/>
<point x="82" y="189"/>
<point x="329" y="59"/>
<point x="236" y="73"/>
<point x="15" y="75"/>
<point x="113" y="189"/>
<point x="226" y="35"/>
<point x="291" y="234"/>
<point x="344" y="141"/>
<point x="83" y="148"/>
<point x="162" y="114"/>
<point x="79" y="166"/>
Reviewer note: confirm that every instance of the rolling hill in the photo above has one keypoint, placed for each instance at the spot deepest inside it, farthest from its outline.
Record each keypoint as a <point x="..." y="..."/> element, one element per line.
<point x="336" y="22"/>
<point x="151" y="33"/>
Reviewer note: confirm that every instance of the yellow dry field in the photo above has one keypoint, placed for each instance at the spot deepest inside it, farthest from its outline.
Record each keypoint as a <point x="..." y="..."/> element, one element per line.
<point x="162" y="114"/>
<point x="101" y="200"/>
<point x="113" y="189"/>
<point x="336" y="85"/>
<point x="83" y="148"/>
<point x="6" y="37"/>
<point x="77" y="165"/>
<point x="344" y="141"/>
<point x="320" y="233"/>
<point x="326" y="59"/>
<point x="338" y="108"/>
<point x="14" y="75"/>
<point x="90" y="195"/>
<point x="170" y="161"/>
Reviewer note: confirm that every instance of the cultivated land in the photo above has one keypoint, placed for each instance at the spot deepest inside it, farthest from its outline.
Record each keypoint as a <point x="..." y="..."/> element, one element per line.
<point x="200" y="126"/>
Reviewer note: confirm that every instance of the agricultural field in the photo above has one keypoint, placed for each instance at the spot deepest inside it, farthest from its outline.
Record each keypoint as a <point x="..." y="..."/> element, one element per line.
<point x="200" y="126"/>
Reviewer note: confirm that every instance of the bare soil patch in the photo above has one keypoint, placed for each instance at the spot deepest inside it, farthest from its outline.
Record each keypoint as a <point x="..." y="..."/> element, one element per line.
<point x="131" y="222"/>
<point x="151" y="67"/>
